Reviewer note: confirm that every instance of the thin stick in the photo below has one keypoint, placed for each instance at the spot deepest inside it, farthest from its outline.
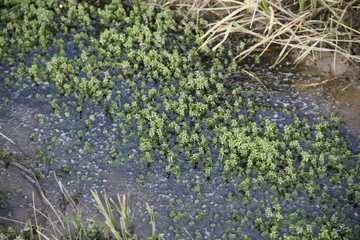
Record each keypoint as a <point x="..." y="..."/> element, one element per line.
<point x="34" y="208"/>
<point x="65" y="192"/>
<point x="356" y="110"/>
<point x="188" y="233"/>
<point x="12" y="220"/>
<point x="350" y="84"/>
<point x="320" y="83"/>
<point x="258" y="79"/>
<point x="7" y="138"/>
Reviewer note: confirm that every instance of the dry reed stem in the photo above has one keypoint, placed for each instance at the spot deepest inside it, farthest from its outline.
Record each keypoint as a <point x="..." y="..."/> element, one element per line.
<point x="277" y="24"/>
<point x="258" y="79"/>
<point x="66" y="193"/>
<point x="4" y="136"/>
<point x="319" y="83"/>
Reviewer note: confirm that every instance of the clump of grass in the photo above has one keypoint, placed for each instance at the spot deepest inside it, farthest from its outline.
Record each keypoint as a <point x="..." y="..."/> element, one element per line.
<point x="123" y="208"/>
<point x="68" y="223"/>
<point x="306" y="26"/>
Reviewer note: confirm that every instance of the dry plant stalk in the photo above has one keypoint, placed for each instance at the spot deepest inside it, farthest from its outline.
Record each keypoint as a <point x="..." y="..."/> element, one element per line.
<point x="7" y="138"/>
<point x="317" y="26"/>
<point x="320" y="83"/>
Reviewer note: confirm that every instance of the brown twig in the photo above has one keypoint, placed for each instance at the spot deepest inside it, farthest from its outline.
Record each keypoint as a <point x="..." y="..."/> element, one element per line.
<point x="258" y="79"/>
<point x="322" y="82"/>
<point x="7" y="138"/>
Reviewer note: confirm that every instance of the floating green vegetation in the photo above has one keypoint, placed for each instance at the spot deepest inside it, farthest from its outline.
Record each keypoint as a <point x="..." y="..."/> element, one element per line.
<point x="130" y="80"/>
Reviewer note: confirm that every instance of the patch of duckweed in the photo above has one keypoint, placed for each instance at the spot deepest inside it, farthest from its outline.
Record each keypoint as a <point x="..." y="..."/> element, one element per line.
<point x="126" y="85"/>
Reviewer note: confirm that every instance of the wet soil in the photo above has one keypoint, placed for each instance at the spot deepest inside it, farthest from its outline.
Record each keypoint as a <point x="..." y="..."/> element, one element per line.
<point x="341" y="87"/>
<point x="332" y="81"/>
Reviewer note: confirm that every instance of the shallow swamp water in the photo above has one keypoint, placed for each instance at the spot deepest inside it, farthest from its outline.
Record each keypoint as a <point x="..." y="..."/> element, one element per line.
<point x="120" y="99"/>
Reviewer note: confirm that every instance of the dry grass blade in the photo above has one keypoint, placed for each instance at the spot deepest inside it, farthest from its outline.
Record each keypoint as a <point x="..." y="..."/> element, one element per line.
<point x="34" y="209"/>
<point x="65" y="193"/>
<point x="152" y="219"/>
<point x="12" y="220"/>
<point x="187" y="232"/>
<point x="347" y="27"/>
<point x="3" y="135"/>
<point x="228" y="30"/>
<point x="271" y="21"/>
<point x="319" y="83"/>
<point x="284" y="52"/>
<point x="62" y="226"/>
<point x="106" y="211"/>
<point x="308" y="26"/>
<point x="307" y="51"/>
<point x="258" y="79"/>
<point x="123" y="208"/>
<point x="268" y="40"/>
<point x="350" y="84"/>
<point x="227" y="19"/>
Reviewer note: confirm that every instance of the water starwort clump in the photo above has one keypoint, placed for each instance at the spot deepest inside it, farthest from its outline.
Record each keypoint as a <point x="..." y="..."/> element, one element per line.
<point x="124" y="88"/>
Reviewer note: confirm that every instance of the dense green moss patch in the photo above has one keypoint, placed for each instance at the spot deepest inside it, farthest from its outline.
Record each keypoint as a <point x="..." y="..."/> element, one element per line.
<point x="127" y="86"/>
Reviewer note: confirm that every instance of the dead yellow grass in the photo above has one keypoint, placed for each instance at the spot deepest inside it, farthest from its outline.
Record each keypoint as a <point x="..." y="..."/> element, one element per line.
<point x="306" y="26"/>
